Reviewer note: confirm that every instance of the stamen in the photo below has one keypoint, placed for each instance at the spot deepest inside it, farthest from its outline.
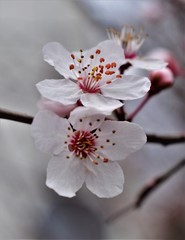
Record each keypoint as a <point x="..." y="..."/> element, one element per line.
<point x="113" y="64"/>
<point x="108" y="66"/>
<point x="71" y="66"/>
<point x="105" y="160"/>
<point x="98" y="51"/>
<point x="108" y="82"/>
<point x="73" y="56"/>
<point x="109" y="72"/>
<point x="82" y="144"/>
<point x="102" y="60"/>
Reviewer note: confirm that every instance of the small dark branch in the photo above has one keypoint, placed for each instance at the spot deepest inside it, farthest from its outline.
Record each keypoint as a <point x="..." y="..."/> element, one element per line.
<point x="146" y="191"/>
<point x="151" y="138"/>
<point x="165" y="140"/>
<point x="15" y="116"/>
<point x="156" y="182"/>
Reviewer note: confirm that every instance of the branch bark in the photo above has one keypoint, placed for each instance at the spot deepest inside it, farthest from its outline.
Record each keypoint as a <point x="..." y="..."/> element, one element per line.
<point x="151" y="138"/>
<point x="146" y="191"/>
<point x="165" y="139"/>
<point x="15" y="116"/>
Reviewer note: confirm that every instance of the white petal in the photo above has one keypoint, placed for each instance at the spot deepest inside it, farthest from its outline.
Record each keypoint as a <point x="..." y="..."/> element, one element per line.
<point x="127" y="88"/>
<point x="83" y="118"/>
<point x="56" y="55"/>
<point x="120" y="139"/>
<point x="104" y="104"/>
<point x="49" y="131"/>
<point x="63" y="90"/>
<point x="148" y="64"/>
<point x="105" y="179"/>
<point x="65" y="175"/>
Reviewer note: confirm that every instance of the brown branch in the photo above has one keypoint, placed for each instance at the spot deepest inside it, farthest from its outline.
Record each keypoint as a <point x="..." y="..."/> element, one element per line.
<point x="15" y="116"/>
<point x="165" y="139"/>
<point x="151" y="138"/>
<point x="146" y="191"/>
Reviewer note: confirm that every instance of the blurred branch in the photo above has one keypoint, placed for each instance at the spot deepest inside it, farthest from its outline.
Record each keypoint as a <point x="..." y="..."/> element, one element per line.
<point x="146" y="191"/>
<point x="15" y="116"/>
<point x="165" y="139"/>
<point x="151" y="138"/>
<point x="142" y="104"/>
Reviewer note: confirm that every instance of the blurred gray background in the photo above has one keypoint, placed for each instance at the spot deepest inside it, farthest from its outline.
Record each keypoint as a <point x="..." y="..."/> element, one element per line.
<point x="28" y="209"/>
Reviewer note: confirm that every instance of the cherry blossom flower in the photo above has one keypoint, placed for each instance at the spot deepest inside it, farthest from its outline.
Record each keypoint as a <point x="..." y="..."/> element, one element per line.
<point x="85" y="148"/>
<point x="131" y="43"/>
<point x="91" y="77"/>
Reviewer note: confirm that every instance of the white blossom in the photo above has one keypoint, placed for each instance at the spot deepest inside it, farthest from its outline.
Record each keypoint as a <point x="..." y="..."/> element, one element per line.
<point x="85" y="148"/>
<point x="91" y="77"/>
<point x="131" y="43"/>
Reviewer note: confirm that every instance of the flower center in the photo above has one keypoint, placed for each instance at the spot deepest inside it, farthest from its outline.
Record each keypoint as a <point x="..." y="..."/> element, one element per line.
<point x="82" y="144"/>
<point x="131" y="41"/>
<point x="93" y="71"/>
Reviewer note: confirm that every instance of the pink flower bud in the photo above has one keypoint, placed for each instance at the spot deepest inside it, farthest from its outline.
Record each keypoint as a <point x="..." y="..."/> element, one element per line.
<point x="58" y="108"/>
<point x="167" y="56"/>
<point x="160" y="80"/>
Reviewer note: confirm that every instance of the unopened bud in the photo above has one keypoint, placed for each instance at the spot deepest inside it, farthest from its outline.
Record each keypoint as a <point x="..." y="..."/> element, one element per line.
<point x="160" y="80"/>
<point x="167" y="56"/>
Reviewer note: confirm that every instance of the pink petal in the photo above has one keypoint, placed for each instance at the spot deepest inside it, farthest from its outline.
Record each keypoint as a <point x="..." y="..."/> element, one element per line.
<point x="49" y="131"/>
<point x="65" y="174"/>
<point x="56" y="55"/>
<point x="104" y="104"/>
<point x="127" y="88"/>
<point x="105" y="179"/>
<point x="148" y="64"/>
<point x="63" y="91"/>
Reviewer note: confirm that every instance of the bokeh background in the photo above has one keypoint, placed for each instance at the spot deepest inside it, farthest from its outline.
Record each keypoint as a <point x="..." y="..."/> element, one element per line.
<point x="28" y="209"/>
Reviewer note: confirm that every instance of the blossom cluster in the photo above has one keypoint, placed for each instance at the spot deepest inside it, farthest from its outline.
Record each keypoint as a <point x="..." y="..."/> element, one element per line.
<point x="74" y="124"/>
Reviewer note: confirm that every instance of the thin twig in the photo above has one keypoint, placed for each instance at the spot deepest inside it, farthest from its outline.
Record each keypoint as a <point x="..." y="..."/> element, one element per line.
<point x="15" y="116"/>
<point x="146" y="191"/>
<point x="142" y="104"/>
<point x="151" y="138"/>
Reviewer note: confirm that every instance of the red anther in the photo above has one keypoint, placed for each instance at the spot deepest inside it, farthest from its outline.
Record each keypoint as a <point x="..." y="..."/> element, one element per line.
<point x="108" y="82"/>
<point x="95" y="162"/>
<point x="98" y="51"/>
<point x="79" y="78"/>
<point x="118" y="76"/>
<point x="105" y="160"/>
<point x="71" y="66"/>
<point x="73" y="56"/>
<point x="113" y="64"/>
<point x="108" y="66"/>
<point x="102" y="60"/>
<point x="109" y="72"/>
